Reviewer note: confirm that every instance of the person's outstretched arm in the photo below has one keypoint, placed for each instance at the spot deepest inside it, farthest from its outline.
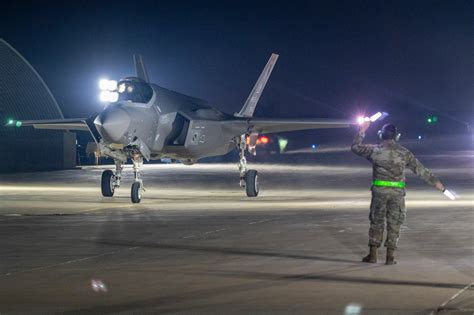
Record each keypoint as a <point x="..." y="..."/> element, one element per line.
<point x="421" y="171"/>
<point x="364" y="150"/>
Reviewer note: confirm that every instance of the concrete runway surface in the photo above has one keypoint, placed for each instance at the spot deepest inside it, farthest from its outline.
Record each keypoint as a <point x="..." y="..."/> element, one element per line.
<point x="196" y="245"/>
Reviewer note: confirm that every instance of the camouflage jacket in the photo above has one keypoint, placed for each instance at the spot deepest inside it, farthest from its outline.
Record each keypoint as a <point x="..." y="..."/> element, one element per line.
<point x="389" y="160"/>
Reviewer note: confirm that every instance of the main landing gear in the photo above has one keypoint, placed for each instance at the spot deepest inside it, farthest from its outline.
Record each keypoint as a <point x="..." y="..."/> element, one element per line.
<point x="111" y="180"/>
<point x="137" y="186"/>
<point x="248" y="178"/>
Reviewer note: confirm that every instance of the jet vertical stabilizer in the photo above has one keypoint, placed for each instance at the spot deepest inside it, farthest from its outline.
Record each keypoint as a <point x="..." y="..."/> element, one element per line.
<point x="252" y="100"/>
<point x="140" y="68"/>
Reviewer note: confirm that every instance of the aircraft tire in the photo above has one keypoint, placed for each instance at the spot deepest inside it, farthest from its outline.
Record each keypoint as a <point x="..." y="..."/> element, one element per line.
<point x="107" y="183"/>
<point x="136" y="192"/>
<point x="251" y="183"/>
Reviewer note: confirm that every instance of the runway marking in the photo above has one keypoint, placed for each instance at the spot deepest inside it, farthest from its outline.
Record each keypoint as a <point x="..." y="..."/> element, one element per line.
<point x="261" y="221"/>
<point x="215" y="231"/>
<point x="223" y="229"/>
<point x="442" y="306"/>
<point x="205" y="233"/>
<point x="66" y="262"/>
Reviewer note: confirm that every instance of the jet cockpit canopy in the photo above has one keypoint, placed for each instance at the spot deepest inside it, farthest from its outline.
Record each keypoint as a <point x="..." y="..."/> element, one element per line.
<point x="135" y="90"/>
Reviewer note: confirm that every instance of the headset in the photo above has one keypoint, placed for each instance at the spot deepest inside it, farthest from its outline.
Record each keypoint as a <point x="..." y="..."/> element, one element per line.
<point x="382" y="131"/>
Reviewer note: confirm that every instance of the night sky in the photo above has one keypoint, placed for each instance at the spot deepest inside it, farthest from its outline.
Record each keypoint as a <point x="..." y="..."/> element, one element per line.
<point x="411" y="59"/>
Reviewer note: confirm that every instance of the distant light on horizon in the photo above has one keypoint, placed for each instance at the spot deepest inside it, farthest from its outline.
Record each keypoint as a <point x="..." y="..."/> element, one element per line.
<point x="420" y="137"/>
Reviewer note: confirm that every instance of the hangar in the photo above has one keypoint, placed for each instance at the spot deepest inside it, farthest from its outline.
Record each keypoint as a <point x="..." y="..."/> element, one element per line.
<point x="24" y="95"/>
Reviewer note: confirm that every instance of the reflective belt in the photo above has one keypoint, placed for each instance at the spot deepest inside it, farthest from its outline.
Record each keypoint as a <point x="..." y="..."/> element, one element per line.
<point x="386" y="183"/>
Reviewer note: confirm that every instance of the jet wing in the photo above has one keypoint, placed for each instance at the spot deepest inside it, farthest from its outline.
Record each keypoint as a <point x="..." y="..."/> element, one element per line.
<point x="269" y="125"/>
<point x="58" y="124"/>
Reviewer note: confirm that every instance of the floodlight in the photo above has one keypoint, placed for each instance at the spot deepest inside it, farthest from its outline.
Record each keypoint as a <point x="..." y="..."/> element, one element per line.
<point x="104" y="96"/>
<point x="112" y="85"/>
<point x="103" y="84"/>
<point x="113" y="97"/>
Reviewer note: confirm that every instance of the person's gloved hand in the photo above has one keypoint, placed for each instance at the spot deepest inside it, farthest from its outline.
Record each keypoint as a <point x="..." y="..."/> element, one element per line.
<point x="439" y="186"/>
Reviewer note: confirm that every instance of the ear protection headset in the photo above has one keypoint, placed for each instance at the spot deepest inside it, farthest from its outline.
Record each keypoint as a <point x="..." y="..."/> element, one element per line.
<point x="389" y="128"/>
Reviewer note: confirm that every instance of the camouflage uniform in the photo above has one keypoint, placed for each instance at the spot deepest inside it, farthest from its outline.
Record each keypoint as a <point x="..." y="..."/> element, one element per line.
<point x="389" y="160"/>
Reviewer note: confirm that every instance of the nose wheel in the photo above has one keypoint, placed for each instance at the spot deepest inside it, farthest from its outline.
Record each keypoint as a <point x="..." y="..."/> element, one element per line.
<point x="111" y="180"/>
<point x="136" y="193"/>
<point x="107" y="183"/>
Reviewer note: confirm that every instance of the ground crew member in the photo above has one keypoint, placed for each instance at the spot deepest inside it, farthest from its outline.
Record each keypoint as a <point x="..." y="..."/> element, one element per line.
<point x="389" y="160"/>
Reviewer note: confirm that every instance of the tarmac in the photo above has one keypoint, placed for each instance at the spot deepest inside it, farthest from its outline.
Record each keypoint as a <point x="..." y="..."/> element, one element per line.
<point x="196" y="244"/>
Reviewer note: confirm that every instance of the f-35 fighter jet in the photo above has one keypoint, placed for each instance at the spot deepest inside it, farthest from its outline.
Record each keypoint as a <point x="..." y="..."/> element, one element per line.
<point x="145" y="121"/>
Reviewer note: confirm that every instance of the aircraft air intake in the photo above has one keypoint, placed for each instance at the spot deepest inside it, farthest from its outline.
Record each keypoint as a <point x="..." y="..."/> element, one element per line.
<point x="113" y="124"/>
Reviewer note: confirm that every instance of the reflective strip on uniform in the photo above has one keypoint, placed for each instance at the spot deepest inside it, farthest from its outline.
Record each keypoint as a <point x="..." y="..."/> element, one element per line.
<point x="386" y="183"/>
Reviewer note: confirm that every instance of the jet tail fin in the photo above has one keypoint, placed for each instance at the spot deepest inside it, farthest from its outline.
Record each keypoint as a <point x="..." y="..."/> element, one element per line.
<point x="140" y="68"/>
<point x="252" y="100"/>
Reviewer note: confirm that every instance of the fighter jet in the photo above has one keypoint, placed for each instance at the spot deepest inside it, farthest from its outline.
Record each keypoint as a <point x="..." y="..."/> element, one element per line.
<point x="142" y="120"/>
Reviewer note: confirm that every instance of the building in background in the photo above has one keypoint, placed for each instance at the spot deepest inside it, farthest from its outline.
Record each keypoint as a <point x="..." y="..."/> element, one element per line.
<point x="25" y="96"/>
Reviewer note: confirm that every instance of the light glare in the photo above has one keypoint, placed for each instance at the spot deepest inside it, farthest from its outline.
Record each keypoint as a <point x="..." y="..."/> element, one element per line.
<point x="353" y="309"/>
<point x="103" y="84"/>
<point x="104" y="96"/>
<point x="113" y="97"/>
<point x="112" y="85"/>
<point x="375" y="117"/>
<point x="107" y="96"/>
<point x="449" y="194"/>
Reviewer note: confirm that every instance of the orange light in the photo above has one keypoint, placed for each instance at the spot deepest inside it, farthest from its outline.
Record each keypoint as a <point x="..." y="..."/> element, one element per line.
<point x="264" y="140"/>
<point x="247" y="140"/>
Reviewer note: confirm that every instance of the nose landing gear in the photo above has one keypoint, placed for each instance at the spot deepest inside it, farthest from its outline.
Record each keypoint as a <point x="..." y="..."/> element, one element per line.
<point x="111" y="180"/>
<point x="107" y="183"/>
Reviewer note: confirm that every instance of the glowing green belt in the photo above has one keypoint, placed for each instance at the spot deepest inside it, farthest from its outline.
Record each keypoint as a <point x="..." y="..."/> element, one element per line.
<point x="386" y="183"/>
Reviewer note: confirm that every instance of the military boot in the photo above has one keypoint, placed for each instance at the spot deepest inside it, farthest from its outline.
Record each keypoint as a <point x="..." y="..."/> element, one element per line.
<point x="390" y="257"/>
<point x="372" y="256"/>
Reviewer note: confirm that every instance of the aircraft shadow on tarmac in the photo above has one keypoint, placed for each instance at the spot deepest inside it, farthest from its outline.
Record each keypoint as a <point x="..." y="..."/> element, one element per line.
<point x="205" y="298"/>
<point x="282" y="277"/>
<point x="218" y="250"/>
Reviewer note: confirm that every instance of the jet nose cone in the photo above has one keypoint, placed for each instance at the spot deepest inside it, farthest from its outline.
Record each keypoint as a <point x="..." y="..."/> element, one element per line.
<point x="112" y="125"/>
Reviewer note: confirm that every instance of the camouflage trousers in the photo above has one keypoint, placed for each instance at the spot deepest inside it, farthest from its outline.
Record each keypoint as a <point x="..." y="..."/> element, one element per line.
<point x="387" y="205"/>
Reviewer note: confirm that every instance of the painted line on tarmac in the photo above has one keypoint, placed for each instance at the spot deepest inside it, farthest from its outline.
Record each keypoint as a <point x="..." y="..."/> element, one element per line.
<point x="204" y="234"/>
<point x="261" y="221"/>
<point x="215" y="231"/>
<point x="8" y="274"/>
<point x="223" y="229"/>
<point x="458" y="294"/>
